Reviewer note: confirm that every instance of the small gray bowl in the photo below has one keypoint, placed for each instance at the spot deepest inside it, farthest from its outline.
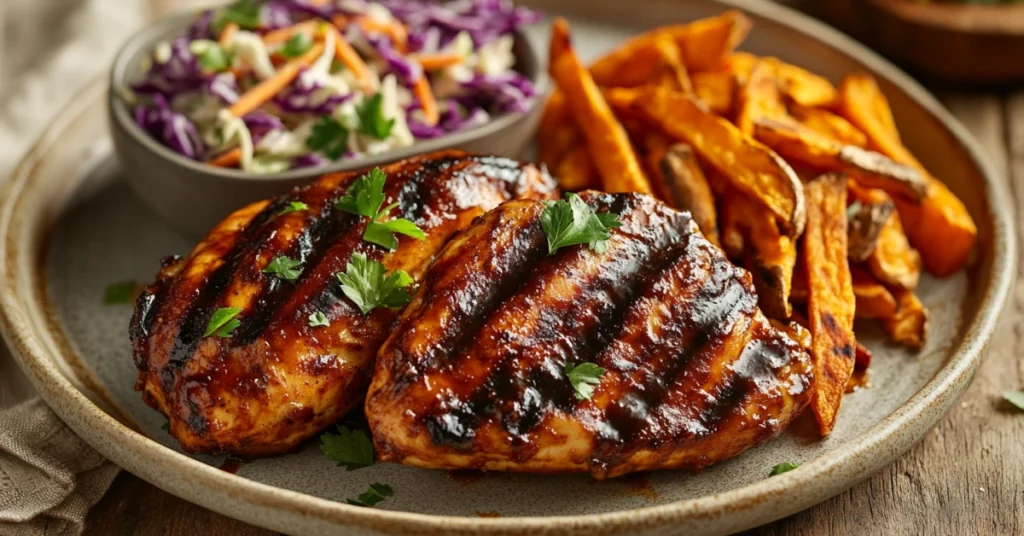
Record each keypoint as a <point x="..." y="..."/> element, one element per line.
<point x="194" y="196"/>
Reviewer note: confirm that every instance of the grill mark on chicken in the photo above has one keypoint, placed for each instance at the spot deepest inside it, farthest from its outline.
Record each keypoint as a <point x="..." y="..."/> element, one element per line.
<point x="196" y="320"/>
<point x="277" y="380"/>
<point x="694" y="373"/>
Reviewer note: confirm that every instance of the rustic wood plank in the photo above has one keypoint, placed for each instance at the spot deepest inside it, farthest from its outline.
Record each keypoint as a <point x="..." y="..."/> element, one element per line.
<point x="964" y="477"/>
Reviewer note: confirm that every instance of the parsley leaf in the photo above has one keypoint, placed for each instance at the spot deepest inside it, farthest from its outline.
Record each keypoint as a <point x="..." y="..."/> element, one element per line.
<point x="1015" y="397"/>
<point x="351" y="448"/>
<point x="584" y="377"/>
<point x="374" y="494"/>
<point x="318" y="319"/>
<point x="569" y="222"/>
<point x="215" y="58"/>
<point x="244" y="13"/>
<point x="223" y="322"/>
<point x="365" y="283"/>
<point x="371" y="118"/>
<point x="328" y="136"/>
<point x="119" y="293"/>
<point x="297" y="45"/>
<point x="284" y="268"/>
<point x="293" y="206"/>
<point x="783" y="467"/>
<point x="364" y="198"/>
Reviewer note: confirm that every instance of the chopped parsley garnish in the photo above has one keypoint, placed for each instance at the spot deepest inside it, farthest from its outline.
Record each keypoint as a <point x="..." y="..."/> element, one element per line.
<point x="584" y="378"/>
<point x="371" y="118"/>
<point x="293" y="206"/>
<point x="364" y="198"/>
<point x="284" y="268"/>
<point x="244" y="13"/>
<point x="223" y="322"/>
<point x="214" y="58"/>
<point x="374" y="494"/>
<point x="365" y="283"/>
<point x="318" y="319"/>
<point x="571" y="221"/>
<point x="783" y="467"/>
<point x="296" y="46"/>
<point x="328" y="136"/>
<point x="119" y="293"/>
<point x="351" y="448"/>
<point x="1015" y="397"/>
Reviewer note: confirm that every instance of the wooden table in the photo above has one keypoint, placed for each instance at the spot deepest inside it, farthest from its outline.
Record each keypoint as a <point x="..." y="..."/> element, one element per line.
<point x="965" y="477"/>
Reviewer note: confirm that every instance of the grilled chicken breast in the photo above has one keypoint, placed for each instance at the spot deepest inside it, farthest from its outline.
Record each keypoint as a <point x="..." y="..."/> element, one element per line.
<point x="276" y="381"/>
<point x="473" y="375"/>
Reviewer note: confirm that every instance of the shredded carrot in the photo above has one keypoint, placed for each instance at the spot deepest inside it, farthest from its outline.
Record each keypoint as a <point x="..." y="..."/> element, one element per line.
<point x="428" y="103"/>
<point x="351" y="59"/>
<point x="282" y="35"/>
<point x="393" y="29"/>
<point x="229" y="158"/>
<point x="227" y="34"/>
<point x="339" y="20"/>
<point x="433" y="62"/>
<point x="267" y="89"/>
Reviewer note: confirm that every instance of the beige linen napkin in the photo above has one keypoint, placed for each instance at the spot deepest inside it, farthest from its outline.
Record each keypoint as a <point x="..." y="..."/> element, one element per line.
<point x="49" y="478"/>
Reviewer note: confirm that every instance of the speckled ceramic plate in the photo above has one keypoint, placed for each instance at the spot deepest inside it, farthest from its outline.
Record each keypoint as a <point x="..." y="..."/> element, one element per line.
<point x="70" y="227"/>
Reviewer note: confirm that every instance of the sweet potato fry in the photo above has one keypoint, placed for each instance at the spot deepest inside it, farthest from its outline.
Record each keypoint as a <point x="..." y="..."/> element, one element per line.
<point x="770" y="257"/>
<point x="830" y="300"/>
<point x="873" y="300"/>
<point x="940" y="226"/>
<point x="609" y="145"/>
<point x="759" y="98"/>
<point x="828" y="124"/>
<point x="702" y="44"/>
<point x="909" y="326"/>
<point x="557" y="133"/>
<point x="749" y="166"/>
<point x="893" y="261"/>
<point x="576" y="171"/>
<point x="803" y="87"/>
<point x="866" y="221"/>
<point x="669" y="71"/>
<point x="863" y="358"/>
<point x="687" y="185"/>
<point x="716" y="90"/>
<point x="871" y="169"/>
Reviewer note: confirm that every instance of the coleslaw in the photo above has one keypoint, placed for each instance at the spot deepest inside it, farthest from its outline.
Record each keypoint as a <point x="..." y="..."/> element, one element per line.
<point x="268" y="86"/>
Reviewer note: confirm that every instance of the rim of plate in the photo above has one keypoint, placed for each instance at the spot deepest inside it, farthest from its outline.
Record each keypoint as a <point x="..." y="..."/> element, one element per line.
<point x="768" y="499"/>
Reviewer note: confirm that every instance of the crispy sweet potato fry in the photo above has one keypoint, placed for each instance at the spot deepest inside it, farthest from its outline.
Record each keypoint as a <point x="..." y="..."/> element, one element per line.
<point x="830" y="300"/>
<point x="769" y="256"/>
<point x="669" y="71"/>
<point x="863" y="358"/>
<point x="871" y="169"/>
<point x="749" y="166"/>
<point x="893" y="261"/>
<point x="872" y="298"/>
<point x="716" y="90"/>
<point x="576" y="171"/>
<point x="609" y="145"/>
<point x="803" y="87"/>
<point x="702" y="44"/>
<point x="759" y="98"/>
<point x="909" y="326"/>
<point x="686" y="183"/>
<point x="828" y="124"/>
<point x="653" y="145"/>
<point x="557" y="133"/>
<point x="866" y="221"/>
<point x="940" y="227"/>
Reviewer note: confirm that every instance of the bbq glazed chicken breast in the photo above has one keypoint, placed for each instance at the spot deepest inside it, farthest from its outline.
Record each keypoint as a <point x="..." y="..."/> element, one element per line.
<point x="277" y="380"/>
<point x="474" y="374"/>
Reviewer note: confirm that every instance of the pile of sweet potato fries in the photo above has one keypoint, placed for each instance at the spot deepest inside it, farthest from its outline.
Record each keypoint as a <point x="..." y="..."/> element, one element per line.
<point x="806" y="185"/>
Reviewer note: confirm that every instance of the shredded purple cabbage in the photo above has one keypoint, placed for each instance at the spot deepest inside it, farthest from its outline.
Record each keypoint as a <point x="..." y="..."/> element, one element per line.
<point x="483" y="20"/>
<point x="180" y="73"/>
<point x="408" y="72"/>
<point x="303" y="98"/>
<point x="200" y="29"/>
<point x="223" y="86"/>
<point x="452" y="119"/>
<point x="261" y="123"/>
<point x="500" y="93"/>
<point x="172" y="128"/>
<point x="309" y="160"/>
